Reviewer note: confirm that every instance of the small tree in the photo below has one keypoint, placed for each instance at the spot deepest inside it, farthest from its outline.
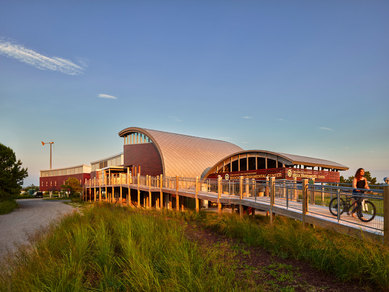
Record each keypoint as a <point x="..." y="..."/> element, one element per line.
<point x="11" y="173"/>
<point x="370" y="180"/>
<point x="72" y="185"/>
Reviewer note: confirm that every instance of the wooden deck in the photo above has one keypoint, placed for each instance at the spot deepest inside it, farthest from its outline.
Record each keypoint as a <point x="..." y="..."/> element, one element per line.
<point x="315" y="214"/>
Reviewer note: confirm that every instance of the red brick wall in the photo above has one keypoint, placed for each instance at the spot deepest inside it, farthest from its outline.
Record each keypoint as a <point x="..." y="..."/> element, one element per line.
<point x="146" y="155"/>
<point x="53" y="183"/>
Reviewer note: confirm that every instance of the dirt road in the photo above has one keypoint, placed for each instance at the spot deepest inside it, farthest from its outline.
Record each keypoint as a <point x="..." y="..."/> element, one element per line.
<point x="31" y="215"/>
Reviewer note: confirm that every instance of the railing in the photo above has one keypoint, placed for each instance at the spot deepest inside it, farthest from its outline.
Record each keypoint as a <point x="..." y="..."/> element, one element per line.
<point x="290" y="195"/>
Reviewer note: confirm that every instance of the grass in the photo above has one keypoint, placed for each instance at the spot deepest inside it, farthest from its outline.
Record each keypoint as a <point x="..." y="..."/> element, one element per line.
<point x="7" y="206"/>
<point x="348" y="258"/>
<point x="114" y="248"/>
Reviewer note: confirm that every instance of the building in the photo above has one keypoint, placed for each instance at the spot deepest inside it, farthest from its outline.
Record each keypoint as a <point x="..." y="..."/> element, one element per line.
<point x="153" y="152"/>
<point x="51" y="180"/>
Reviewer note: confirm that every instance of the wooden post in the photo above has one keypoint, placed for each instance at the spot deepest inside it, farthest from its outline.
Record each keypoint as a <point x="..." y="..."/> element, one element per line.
<point x="295" y="188"/>
<point x="160" y="191"/>
<point x="247" y="187"/>
<point x="386" y="215"/>
<point x="177" y="197"/>
<point x="241" y="196"/>
<point x="121" y="194"/>
<point x="305" y="199"/>
<point x="272" y="195"/>
<point x="267" y="192"/>
<point x="219" y="192"/>
<point x="100" y="194"/>
<point x="254" y="188"/>
<point x="113" y="194"/>
<point x="138" y="180"/>
<point x="197" y="194"/>
<point x="312" y="200"/>
<point x="322" y="193"/>
<point x="150" y="199"/>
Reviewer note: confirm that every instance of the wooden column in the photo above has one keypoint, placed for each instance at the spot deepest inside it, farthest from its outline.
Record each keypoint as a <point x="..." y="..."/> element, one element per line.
<point x="121" y="194"/>
<point x="272" y="197"/>
<point x="247" y="187"/>
<point x="160" y="191"/>
<point x="305" y="199"/>
<point x="113" y="194"/>
<point x="312" y="200"/>
<point x="219" y="193"/>
<point x="100" y="194"/>
<point x="322" y="193"/>
<point x="177" y="197"/>
<point x="197" y="195"/>
<point x="138" y="190"/>
<point x="149" y="183"/>
<point x="241" y="196"/>
<point x="386" y="215"/>
<point x="295" y="188"/>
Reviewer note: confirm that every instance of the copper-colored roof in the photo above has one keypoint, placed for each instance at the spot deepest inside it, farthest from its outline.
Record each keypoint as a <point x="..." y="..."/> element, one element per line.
<point x="184" y="155"/>
<point x="292" y="159"/>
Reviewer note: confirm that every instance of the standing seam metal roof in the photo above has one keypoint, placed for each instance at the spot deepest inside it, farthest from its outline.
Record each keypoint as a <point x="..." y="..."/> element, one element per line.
<point x="184" y="155"/>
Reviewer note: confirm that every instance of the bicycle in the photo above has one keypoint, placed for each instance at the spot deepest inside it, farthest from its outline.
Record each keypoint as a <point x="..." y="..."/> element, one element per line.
<point x="365" y="209"/>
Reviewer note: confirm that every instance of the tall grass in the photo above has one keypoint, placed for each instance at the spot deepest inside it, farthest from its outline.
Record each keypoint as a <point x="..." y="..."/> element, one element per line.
<point x="348" y="258"/>
<point x="113" y="248"/>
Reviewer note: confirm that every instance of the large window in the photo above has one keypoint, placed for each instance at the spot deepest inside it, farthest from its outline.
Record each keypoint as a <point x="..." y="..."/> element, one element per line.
<point x="136" y="138"/>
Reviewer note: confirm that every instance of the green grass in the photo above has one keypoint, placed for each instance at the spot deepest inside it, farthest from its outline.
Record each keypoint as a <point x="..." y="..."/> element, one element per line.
<point x="348" y="258"/>
<point x="114" y="248"/>
<point x="7" y="206"/>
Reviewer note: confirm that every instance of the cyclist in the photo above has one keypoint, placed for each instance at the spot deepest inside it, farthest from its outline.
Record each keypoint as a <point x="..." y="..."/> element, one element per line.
<point x="360" y="185"/>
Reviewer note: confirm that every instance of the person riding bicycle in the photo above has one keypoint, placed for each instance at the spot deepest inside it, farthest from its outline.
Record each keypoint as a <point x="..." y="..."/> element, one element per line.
<point x="360" y="185"/>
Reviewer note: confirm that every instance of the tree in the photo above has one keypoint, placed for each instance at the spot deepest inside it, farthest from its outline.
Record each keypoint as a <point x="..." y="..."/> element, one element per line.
<point x="72" y="185"/>
<point x="370" y="180"/>
<point x="11" y="173"/>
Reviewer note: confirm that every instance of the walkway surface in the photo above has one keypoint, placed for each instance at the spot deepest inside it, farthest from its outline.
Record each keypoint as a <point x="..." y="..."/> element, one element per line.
<point x="32" y="215"/>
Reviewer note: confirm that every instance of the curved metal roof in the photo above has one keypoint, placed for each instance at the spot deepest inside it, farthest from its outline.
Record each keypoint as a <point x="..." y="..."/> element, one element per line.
<point x="291" y="158"/>
<point x="184" y="155"/>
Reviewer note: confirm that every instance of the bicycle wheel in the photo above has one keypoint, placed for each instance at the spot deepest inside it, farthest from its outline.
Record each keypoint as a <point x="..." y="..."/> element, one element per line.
<point x="366" y="211"/>
<point x="334" y="206"/>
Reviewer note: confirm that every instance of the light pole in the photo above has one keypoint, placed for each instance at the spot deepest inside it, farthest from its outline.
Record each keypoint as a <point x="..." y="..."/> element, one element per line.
<point x="51" y="152"/>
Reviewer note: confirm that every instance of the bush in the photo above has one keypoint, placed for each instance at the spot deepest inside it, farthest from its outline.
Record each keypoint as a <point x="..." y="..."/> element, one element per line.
<point x="7" y="206"/>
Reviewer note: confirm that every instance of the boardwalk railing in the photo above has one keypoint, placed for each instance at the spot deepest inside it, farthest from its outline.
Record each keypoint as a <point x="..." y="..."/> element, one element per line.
<point x="305" y="201"/>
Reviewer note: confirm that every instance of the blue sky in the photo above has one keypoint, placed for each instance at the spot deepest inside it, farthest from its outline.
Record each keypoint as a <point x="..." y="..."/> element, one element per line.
<point x="300" y="77"/>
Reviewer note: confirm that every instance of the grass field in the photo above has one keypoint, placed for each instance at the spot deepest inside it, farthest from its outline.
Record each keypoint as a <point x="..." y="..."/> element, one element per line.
<point x="7" y="206"/>
<point x="347" y="258"/>
<point x="114" y="248"/>
<point x="111" y="248"/>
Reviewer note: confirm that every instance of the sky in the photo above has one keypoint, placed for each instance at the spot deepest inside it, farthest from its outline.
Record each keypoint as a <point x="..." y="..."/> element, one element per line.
<point x="300" y="77"/>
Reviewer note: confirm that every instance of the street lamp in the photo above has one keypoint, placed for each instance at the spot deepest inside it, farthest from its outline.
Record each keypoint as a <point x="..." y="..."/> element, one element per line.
<point x="51" y="152"/>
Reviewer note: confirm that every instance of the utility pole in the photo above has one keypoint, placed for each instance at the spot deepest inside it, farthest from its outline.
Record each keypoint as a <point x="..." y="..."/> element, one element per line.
<point x="51" y="152"/>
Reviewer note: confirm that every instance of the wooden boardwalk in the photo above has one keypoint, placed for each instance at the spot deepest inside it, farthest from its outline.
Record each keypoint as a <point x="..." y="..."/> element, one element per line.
<point x="317" y="215"/>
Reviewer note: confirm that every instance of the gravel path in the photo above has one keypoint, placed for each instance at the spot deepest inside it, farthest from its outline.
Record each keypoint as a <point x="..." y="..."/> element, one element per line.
<point x="32" y="215"/>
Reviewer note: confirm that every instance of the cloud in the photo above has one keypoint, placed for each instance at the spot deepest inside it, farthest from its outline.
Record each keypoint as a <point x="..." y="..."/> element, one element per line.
<point x="103" y="95"/>
<point x="281" y="120"/>
<point x="39" y="61"/>
<point x="326" y="129"/>
<point x="247" y="117"/>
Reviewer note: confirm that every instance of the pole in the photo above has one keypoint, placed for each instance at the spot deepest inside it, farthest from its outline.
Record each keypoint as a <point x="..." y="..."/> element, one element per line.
<point x="51" y="155"/>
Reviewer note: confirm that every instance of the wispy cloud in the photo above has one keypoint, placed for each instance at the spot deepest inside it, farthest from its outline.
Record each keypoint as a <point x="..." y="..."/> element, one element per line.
<point x="39" y="61"/>
<point x="281" y="120"/>
<point x="326" y="129"/>
<point x="103" y="95"/>
<point x="247" y="117"/>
